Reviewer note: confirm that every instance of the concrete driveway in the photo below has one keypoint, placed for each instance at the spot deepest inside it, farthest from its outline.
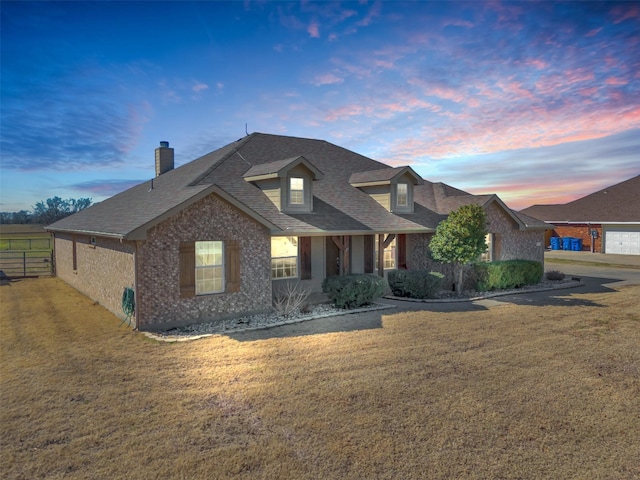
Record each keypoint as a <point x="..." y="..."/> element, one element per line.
<point x="621" y="269"/>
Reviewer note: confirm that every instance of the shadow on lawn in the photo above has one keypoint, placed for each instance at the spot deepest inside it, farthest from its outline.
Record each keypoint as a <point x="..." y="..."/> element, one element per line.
<point x="564" y="298"/>
<point x="372" y="320"/>
<point x="344" y="323"/>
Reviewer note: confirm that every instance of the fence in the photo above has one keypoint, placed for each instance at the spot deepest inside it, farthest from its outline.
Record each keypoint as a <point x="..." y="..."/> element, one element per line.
<point x="30" y="263"/>
<point x="33" y="243"/>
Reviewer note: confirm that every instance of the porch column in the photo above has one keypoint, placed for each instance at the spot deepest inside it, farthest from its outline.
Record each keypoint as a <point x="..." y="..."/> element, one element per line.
<point x="344" y="246"/>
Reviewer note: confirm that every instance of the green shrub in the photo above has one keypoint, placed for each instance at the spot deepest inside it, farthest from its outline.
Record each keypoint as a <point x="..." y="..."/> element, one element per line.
<point x="415" y="283"/>
<point x="353" y="291"/>
<point x="507" y="274"/>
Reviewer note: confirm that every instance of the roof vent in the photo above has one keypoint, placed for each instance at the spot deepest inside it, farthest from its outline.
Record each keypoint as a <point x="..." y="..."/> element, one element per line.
<point x="164" y="158"/>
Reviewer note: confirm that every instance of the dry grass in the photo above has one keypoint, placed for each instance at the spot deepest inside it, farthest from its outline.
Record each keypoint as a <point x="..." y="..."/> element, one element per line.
<point x="509" y="392"/>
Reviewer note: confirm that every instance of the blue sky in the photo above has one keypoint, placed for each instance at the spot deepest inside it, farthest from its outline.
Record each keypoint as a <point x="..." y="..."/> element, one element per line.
<point x="538" y="102"/>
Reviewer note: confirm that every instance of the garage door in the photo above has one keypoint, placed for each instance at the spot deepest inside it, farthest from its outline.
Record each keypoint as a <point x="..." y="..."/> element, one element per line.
<point x="622" y="243"/>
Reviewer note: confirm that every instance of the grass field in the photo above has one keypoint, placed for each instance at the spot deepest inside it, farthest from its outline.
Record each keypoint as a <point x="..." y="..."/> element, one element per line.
<point x="504" y="392"/>
<point x="25" y="237"/>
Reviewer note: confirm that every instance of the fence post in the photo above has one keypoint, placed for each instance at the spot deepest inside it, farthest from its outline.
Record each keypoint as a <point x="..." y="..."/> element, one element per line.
<point x="24" y="263"/>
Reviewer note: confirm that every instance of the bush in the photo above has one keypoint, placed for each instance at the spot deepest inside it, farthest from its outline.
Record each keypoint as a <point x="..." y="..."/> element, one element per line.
<point x="352" y="291"/>
<point x="289" y="298"/>
<point x="507" y="274"/>
<point x="415" y="283"/>
<point x="554" y="275"/>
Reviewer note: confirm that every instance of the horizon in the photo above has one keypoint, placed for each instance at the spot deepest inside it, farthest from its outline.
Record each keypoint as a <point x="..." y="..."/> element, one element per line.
<point x="538" y="103"/>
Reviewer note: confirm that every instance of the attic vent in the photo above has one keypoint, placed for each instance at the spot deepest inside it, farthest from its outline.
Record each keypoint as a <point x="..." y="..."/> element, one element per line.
<point x="164" y="158"/>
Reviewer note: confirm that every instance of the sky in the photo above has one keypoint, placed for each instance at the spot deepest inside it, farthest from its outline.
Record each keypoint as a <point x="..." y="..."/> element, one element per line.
<point x="538" y="102"/>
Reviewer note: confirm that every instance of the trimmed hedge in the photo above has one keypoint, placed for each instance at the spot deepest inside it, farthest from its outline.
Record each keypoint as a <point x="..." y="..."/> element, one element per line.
<point x="353" y="291"/>
<point x="507" y="274"/>
<point x="415" y="283"/>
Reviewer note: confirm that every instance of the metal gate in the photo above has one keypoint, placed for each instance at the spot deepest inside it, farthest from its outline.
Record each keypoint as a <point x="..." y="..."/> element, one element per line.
<point x="26" y="263"/>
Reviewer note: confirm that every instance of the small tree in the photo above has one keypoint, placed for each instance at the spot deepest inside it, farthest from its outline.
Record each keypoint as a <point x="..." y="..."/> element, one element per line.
<point x="460" y="239"/>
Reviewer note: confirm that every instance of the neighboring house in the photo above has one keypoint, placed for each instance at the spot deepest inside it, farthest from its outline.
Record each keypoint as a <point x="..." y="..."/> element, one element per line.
<point x="216" y="237"/>
<point x="607" y="221"/>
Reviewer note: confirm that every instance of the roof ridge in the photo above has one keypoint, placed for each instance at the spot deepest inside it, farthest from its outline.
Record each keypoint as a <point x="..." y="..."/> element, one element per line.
<point x="246" y="139"/>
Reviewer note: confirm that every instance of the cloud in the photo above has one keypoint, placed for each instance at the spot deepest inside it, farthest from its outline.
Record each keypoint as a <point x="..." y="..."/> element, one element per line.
<point x="199" y="87"/>
<point x="327" y="79"/>
<point x="314" y="30"/>
<point x="555" y="174"/>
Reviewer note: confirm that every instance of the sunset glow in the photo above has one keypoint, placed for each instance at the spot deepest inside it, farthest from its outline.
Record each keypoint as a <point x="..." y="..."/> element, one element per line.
<point x="538" y="102"/>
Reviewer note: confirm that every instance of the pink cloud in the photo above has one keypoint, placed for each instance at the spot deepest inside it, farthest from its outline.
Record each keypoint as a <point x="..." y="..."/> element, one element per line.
<point x="516" y="129"/>
<point x="327" y="79"/>
<point x="537" y="63"/>
<point x="615" y="81"/>
<point x="313" y="30"/>
<point x="373" y="12"/>
<point x="440" y="91"/>
<point x="588" y="92"/>
<point x="344" y="112"/>
<point x="626" y="12"/>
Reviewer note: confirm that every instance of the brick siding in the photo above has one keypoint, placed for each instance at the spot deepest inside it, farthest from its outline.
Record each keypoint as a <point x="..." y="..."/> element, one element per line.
<point x="159" y="303"/>
<point x="582" y="231"/>
<point x="514" y="244"/>
<point x="103" y="270"/>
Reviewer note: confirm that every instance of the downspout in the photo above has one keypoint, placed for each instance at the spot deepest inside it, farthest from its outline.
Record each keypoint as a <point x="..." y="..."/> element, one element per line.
<point x="135" y="285"/>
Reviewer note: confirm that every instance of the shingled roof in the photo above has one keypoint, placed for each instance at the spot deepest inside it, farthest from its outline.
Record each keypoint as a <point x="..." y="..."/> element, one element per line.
<point x="339" y="208"/>
<point x="619" y="203"/>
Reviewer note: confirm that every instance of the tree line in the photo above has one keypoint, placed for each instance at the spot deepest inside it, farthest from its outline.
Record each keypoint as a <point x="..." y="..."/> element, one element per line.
<point x="47" y="211"/>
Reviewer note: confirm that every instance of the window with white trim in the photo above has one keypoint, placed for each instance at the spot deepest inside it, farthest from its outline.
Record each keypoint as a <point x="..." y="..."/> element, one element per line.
<point x="296" y="191"/>
<point x="209" y="267"/>
<point x="487" y="256"/>
<point x="389" y="261"/>
<point x="284" y="257"/>
<point x="402" y="195"/>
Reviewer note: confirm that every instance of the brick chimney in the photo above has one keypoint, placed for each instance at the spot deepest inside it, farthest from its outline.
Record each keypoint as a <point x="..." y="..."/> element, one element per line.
<point x="164" y="158"/>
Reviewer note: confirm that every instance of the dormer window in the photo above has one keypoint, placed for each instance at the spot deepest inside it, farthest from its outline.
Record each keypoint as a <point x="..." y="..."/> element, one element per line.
<point x="392" y="188"/>
<point x="287" y="183"/>
<point x="296" y="191"/>
<point x="402" y="195"/>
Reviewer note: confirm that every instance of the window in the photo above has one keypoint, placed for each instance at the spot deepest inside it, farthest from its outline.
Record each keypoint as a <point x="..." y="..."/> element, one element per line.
<point x="209" y="268"/>
<point x="284" y="257"/>
<point x="215" y="264"/>
<point x="487" y="256"/>
<point x="402" y="195"/>
<point x="389" y="255"/>
<point x="296" y="191"/>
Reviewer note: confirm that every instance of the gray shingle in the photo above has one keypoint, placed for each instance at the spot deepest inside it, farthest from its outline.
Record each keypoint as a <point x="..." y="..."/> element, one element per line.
<point x="338" y="206"/>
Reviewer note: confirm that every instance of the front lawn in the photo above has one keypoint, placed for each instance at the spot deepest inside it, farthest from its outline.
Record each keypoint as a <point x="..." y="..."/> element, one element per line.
<point x="507" y="392"/>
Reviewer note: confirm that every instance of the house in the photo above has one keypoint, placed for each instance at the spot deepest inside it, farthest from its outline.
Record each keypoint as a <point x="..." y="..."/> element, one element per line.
<point x="607" y="221"/>
<point x="216" y="237"/>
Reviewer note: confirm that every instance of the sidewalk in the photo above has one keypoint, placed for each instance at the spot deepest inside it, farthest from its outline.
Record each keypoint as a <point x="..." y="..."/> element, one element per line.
<point x="632" y="261"/>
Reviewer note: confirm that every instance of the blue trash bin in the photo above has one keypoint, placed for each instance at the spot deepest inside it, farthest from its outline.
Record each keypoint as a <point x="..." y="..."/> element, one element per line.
<point x="576" y="244"/>
<point x="556" y="243"/>
<point x="566" y="243"/>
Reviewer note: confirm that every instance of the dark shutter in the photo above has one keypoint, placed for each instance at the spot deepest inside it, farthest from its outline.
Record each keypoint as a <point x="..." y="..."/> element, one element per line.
<point x="401" y="244"/>
<point x="369" y="252"/>
<point x="497" y="247"/>
<point x="187" y="269"/>
<point x="232" y="265"/>
<point x="305" y="258"/>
